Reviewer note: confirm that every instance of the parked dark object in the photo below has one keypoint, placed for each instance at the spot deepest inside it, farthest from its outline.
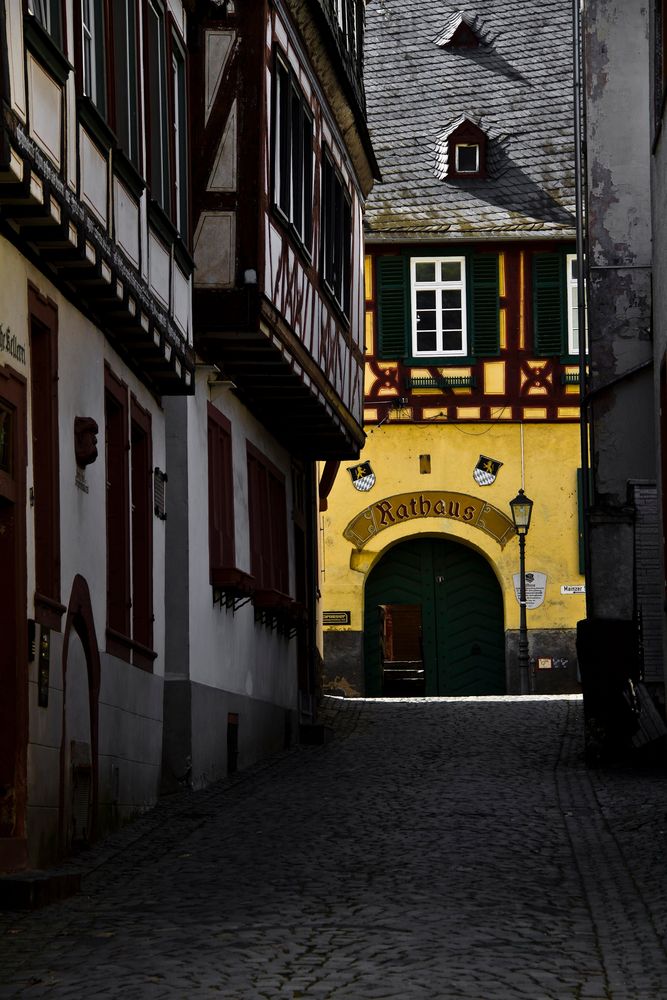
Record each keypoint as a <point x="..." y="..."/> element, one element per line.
<point x="608" y="651"/>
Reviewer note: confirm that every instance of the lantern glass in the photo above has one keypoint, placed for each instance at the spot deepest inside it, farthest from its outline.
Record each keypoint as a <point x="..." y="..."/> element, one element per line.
<point x="522" y="508"/>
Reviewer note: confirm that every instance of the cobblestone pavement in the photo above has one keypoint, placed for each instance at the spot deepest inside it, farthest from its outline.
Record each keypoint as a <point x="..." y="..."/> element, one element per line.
<point x="445" y="849"/>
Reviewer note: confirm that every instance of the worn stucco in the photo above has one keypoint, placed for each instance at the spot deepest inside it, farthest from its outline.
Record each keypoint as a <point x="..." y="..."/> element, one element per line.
<point x="616" y="39"/>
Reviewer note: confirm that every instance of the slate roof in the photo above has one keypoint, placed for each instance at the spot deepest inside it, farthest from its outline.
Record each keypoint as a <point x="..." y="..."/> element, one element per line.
<point x="518" y="86"/>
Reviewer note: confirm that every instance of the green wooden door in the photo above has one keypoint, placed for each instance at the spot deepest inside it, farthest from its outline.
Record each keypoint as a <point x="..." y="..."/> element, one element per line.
<point x="462" y="616"/>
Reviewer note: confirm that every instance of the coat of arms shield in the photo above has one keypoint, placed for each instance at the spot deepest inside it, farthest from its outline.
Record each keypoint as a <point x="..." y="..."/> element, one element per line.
<point x="486" y="470"/>
<point x="363" y="477"/>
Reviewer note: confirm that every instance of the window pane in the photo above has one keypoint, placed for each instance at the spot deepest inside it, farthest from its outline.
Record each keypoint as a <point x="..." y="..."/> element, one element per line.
<point x="180" y="145"/>
<point x="451" y="319"/>
<point x="159" y="173"/>
<point x="125" y="76"/>
<point x="451" y="298"/>
<point x="307" y="180"/>
<point x="467" y="159"/>
<point x="452" y="340"/>
<point x="425" y="272"/>
<point x="296" y="122"/>
<point x="426" y="341"/>
<point x="450" y="270"/>
<point x="425" y="300"/>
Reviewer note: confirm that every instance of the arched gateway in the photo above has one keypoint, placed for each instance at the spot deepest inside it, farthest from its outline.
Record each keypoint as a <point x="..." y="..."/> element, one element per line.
<point x="433" y="622"/>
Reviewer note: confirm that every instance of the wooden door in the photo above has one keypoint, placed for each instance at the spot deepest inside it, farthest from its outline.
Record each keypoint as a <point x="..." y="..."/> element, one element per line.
<point x="13" y="623"/>
<point x="461" y="616"/>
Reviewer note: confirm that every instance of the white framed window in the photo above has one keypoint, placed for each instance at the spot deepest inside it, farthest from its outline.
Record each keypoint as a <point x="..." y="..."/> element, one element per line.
<point x="336" y="230"/>
<point x="439" y="320"/>
<point x="293" y="154"/>
<point x="572" y="304"/>
<point x="93" y="48"/>
<point x="180" y="140"/>
<point x="125" y="76"/>
<point x="47" y="12"/>
<point x="467" y="158"/>
<point x="159" y="141"/>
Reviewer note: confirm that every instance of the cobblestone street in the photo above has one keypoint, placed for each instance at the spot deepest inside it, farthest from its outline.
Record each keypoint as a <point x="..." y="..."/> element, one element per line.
<point x="443" y="849"/>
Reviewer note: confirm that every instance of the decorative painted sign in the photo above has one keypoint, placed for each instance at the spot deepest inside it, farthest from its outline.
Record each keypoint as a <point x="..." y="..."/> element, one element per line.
<point x="573" y="588"/>
<point x="363" y="477"/>
<point x="536" y="585"/>
<point x="404" y="507"/>
<point x="336" y="618"/>
<point x="11" y="346"/>
<point x="486" y="470"/>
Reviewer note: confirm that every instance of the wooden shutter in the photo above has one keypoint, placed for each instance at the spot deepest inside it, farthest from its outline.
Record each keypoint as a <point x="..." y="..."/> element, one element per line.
<point x="258" y="515"/>
<point x="485" y="307"/>
<point x="278" y="522"/>
<point x="117" y="506"/>
<point x="142" y="526"/>
<point x="392" y="300"/>
<point x="220" y="491"/>
<point x="548" y="303"/>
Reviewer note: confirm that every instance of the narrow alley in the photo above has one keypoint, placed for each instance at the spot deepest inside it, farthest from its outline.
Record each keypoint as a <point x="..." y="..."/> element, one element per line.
<point x="450" y="849"/>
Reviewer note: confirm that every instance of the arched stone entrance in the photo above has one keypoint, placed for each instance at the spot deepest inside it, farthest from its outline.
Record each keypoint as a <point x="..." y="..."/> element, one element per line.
<point x="434" y="605"/>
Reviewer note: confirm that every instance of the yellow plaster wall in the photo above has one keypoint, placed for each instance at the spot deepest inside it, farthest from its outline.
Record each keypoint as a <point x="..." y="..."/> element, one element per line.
<point x="550" y="460"/>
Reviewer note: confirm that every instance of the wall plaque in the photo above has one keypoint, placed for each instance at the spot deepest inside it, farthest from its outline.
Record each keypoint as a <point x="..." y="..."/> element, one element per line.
<point x="536" y="585"/>
<point x="336" y="617"/>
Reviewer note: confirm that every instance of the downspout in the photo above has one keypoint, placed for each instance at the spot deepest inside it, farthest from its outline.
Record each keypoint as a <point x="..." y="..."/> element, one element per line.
<point x="582" y="268"/>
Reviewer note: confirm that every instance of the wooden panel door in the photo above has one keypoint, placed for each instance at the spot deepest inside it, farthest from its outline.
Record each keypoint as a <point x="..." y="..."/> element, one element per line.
<point x="13" y="623"/>
<point x="470" y="644"/>
<point x="461" y="616"/>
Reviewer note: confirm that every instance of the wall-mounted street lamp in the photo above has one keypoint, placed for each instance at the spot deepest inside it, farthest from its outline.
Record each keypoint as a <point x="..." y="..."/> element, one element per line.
<point x="522" y="508"/>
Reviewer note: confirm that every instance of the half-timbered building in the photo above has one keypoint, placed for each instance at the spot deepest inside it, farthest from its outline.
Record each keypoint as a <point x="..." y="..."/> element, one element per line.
<point x="281" y="169"/>
<point x="471" y="374"/>
<point x="95" y="331"/>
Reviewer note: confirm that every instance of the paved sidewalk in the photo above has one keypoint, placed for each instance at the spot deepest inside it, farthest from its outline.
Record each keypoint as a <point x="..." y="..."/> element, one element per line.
<point x="445" y="849"/>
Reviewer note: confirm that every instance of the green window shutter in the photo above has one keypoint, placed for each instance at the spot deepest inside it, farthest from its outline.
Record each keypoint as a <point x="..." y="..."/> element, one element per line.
<point x="485" y="304"/>
<point x="392" y="300"/>
<point x="548" y="303"/>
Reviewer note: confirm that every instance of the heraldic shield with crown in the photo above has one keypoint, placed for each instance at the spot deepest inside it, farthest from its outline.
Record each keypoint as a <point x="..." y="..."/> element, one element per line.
<point x="363" y="477"/>
<point x="486" y="470"/>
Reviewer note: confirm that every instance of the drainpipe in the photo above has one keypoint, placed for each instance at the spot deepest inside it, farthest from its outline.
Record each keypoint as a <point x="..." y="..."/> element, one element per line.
<point x="582" y="269"/>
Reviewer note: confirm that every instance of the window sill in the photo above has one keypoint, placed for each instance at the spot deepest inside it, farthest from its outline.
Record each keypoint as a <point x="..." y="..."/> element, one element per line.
<point x="128" y="173"/>
<point x="170" y="235"/>
<point x="294" y="235"/>
<point x="442" y="361"/>
<point x="127" y="649"/>
<point x="48" y="612"/>
<point x="40" y="43"/>
<point x="338" y="309"/>
<point x="93" y="121"/>
<point x="231" y="587"/>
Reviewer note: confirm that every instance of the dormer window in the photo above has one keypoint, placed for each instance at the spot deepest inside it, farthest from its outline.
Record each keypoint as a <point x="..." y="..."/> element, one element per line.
<point x="460" y="32"/>
<point x="467" y="158"/>
<point x="461" y="150"/>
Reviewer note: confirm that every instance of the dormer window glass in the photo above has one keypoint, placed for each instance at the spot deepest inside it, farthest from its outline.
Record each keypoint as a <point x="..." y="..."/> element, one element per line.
<point x="467" y="158"/>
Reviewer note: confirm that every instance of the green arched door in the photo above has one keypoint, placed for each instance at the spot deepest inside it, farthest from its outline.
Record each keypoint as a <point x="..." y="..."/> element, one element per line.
<point x="462" y="627"/>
